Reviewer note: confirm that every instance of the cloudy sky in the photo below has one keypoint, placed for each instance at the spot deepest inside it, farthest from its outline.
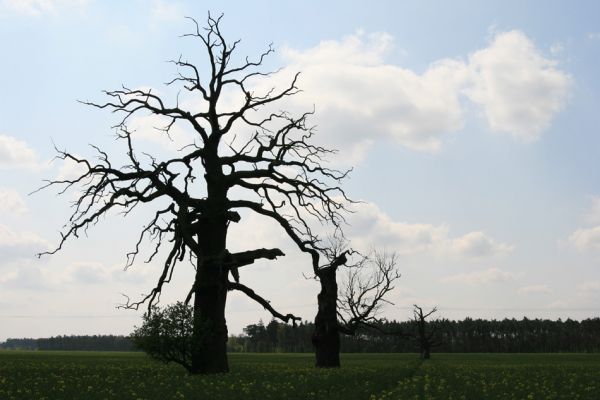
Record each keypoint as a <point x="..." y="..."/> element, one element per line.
<point x="472" y="127"/>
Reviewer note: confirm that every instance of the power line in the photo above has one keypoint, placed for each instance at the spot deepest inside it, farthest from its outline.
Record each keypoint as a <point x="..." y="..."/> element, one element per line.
<point x="441" y="309"/>
<point x="516" y="309"/>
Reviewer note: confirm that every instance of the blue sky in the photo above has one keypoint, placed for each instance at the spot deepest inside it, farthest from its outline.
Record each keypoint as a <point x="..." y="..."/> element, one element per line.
<point x="472" y="128"/>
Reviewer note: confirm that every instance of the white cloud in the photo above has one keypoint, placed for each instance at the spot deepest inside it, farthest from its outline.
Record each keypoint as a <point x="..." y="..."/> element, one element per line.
<point x="360" y="98"/>
<point x="477" y="244"/>
<point x="93" y="272"/>
<point x="491" y="275"/>
<point x="37" y="8"/>
<point x="370" y="226"/>
<point x="17" y="245"/>
<point x="35" y="274"/>
<point x="28" y="277"/>
<point x="15" y="153"/>
<point x="11" y="202"/>
<point x="535" y="289"/>
<point x="70" y="169"/>
<point x="519" y="89"/>
<point x="586" y="238"/>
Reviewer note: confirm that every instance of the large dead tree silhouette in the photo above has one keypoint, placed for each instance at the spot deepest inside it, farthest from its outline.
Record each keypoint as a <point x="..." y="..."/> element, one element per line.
<point x="277" y="173"/>
<point x="367" y="282"/>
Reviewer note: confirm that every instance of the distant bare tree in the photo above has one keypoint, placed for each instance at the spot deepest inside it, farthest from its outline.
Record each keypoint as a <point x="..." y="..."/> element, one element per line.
<point x="425" y="337"/>
<point x="277" y="173"/>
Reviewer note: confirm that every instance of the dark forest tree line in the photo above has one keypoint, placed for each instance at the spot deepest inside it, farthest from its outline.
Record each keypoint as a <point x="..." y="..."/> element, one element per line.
<point x="72" y="342"/>
<point x="465" y="336"/>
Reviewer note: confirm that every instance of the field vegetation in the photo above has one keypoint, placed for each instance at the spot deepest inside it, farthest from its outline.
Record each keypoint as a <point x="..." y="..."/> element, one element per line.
<point x="106" y="375"/>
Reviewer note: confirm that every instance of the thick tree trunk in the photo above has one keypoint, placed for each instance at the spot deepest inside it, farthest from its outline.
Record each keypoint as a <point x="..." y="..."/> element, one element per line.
<point x="326" y="337"/>
<point x="209" y="345"/>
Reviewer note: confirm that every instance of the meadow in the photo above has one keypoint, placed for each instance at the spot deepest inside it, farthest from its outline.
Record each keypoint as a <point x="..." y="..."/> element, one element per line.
<point x="106" y="375"/>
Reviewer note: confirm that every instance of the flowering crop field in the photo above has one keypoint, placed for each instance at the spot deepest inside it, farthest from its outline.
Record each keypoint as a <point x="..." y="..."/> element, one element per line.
<point x="96" y="375"/>
<point x="502" y="377"/>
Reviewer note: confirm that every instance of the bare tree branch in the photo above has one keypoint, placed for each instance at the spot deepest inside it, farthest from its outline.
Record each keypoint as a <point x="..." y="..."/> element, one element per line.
<point x="266" y="304"/>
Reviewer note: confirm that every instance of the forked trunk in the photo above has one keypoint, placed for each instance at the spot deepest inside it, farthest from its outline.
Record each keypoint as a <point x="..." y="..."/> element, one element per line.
<point x="326" y="337"/>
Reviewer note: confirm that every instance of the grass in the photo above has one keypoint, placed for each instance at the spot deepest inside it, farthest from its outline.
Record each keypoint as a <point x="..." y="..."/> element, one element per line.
<point x="94" y="375"/>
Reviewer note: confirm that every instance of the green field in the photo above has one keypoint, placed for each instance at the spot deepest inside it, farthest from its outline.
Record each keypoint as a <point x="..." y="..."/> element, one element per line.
<point x="93" y="375"/>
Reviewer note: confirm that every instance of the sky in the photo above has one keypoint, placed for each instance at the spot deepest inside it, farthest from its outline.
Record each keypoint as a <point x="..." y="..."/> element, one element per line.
<point x="472" y="129"/>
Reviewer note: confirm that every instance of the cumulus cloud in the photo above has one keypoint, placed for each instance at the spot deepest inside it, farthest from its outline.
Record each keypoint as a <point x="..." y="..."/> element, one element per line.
<point x="369" y="226"/>
<point x="70" y="169"/>
<point x="518" y="88"/>
<point x="586" y="238"/>
<point x="93" y="272"/>
<point x="28" y="277"/>
<point x="535" y="289"/>
<point x="17" y="245"/>
<point x="488" y="276"/>
<point x="361" y="98"/>
<point x="477" y="244"/>
<point x="15" y="154"/>
<point x="38" y="8"/>
<point x="11" y="202"/>
<point x="34" y="275"/>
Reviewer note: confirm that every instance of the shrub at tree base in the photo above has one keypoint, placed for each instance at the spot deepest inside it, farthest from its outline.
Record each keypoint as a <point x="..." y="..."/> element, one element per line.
<point x="166" y="334"/>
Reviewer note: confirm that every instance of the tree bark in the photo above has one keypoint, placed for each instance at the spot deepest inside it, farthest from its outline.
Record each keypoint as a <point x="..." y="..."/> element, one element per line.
<point x="326" y="337"/>
<point x="209" y="344"/>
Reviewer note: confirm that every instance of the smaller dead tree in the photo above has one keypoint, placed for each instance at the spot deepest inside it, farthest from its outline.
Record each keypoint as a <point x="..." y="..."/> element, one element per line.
<point x="424" y="336"/>
<point x="368" y="281"/>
